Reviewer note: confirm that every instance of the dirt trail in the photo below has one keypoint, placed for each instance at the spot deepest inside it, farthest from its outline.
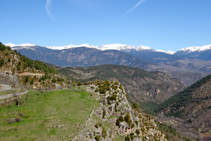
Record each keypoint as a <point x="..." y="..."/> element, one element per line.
<point x="12" y="95"/>
<point x="4" y="87"/>
<point x="28" y="73"/>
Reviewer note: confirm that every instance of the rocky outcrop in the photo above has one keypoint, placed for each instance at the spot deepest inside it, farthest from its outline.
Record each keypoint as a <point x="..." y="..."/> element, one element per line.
<point x="116" y="118"/>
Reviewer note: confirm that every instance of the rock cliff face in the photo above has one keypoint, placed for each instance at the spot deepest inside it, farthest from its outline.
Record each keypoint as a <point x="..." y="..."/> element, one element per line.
<point x="116" y="119"/>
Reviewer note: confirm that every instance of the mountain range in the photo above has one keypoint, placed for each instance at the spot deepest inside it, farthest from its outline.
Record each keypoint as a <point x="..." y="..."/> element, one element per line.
<point x="188" y="111"/>
<point x="194" y="51"/>
<point x="178" y="64"/>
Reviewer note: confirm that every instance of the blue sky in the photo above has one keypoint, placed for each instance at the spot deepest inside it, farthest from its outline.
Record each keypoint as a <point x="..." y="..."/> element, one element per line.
<point x="159" y="24"/>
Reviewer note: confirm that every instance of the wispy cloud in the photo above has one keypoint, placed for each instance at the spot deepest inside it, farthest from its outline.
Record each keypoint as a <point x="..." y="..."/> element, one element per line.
<point x="130" y="10"/>
<point x="47" y="7"/>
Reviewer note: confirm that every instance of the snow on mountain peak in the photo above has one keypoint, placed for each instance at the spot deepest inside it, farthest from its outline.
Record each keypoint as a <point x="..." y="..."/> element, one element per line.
<point x="115" y="47"/>
<point x="196" y="48"/>
<point x="71" y="46"/>
<point x="10" y="45"/>
<point x="168" y="52"/>
<point x="27" y="44"/>
<point x="143" y="48"/>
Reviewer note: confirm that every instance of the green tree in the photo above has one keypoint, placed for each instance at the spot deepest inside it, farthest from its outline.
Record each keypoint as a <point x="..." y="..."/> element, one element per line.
<point x="26" y="79"/>
<point x="32" y="81"/>
<point x="127" y="138"/>
<point x="18" y="67"/>
<point x="1" y="62"/>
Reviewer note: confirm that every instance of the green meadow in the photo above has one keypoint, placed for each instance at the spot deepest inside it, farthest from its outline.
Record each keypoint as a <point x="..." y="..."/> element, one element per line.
<point x="55" y="115"/>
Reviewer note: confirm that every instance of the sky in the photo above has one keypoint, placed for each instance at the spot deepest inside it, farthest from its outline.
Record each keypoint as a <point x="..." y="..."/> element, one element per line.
<point x="159" y="24"/>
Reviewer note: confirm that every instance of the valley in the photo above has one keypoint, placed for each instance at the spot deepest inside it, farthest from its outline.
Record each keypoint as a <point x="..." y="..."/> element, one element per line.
<point x="180" y="65"/>
<point x="113" y="92"/>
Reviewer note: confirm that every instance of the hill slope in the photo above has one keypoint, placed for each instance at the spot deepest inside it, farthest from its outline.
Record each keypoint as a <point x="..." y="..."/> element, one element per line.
<point x="193" y="105"/>
<point x="145" y="88"/>
<point x="75" y="114"/>
<point x="20" y="71"/>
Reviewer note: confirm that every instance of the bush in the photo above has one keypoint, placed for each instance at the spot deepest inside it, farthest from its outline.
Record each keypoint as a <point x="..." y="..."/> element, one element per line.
<point x="119" y="120"/>
<point x="97" y="138"/>
<point x="104" y="134"/>
<point x="127" y="138"/>
<point x="104" y="114"/>
<point x="127" y="118"/>
<point x="136" y="122"/>
<point x="96" y="125"/>
<point x="116" y="83"/>
<point x="135" y="106"/>
<point x="137" y="132"/>
<point x="32" y="81"/>
<point x="132" y="136"/>
<point x="1" y="62"/>
<point x="26" y="79"/>
<point x="54" y="80"/>
<point x="132" y="125"/>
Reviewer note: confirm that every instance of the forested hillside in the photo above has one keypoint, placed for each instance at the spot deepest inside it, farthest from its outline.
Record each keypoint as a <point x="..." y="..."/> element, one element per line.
<point x="193" y="106"/>
<point x="17" y="69"/>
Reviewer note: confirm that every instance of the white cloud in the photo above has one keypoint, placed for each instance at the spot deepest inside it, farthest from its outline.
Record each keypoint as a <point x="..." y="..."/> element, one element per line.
<point x="47" y="7"/>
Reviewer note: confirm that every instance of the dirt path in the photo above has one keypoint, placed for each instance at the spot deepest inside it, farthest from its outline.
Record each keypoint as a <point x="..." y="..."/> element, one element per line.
<point x="32" y="74"/>
<point x="11" y="95"/>
<point x="4" y="87"/>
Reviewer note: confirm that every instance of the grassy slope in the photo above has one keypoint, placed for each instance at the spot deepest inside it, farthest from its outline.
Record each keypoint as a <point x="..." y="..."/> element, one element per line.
<point x="43" y="112"/>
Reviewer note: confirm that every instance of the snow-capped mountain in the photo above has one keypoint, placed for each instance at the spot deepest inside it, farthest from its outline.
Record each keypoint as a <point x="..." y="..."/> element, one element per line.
<point x="120" y="47"/>
<point x="196" y="48"/>
<point x="71" y="46"/>
<point x="199" y="52"/>
<point x="21" y="46"/>
<point x="168" y="52"/>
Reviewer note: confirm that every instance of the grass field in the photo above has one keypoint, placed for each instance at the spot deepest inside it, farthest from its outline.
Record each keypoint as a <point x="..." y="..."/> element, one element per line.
<point x="56" y="115"/>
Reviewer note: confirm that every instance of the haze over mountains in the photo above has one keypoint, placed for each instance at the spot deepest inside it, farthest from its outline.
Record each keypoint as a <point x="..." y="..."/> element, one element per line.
<point x="188" y="64"/>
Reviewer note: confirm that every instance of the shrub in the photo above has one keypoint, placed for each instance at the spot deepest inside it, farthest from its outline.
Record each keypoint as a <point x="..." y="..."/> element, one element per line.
<point x="127" y="117"/>
<point x="32" y="81"/>
<point x="97" y="138"/>
<point x="119" y="120"/>
<point x="135" y="106"/>
<point x="104" y="134"/>
<point x="132" y="136"/>
<point x="1" y="62"/>
<point x="26" y="79"/>
<point x="127" y="138"/>
<point x="116" y="83"/>
<point x="104" y="113"/>
<point x="136" y="122"/>
<point x="96" y="125"/>
<point x="137" y="132"/>
<point x="132" y="125"/>
<point x="54" y="80"/>
<point x="96" y="90"/>
<point x="61" y="79"/>
<point x="113" y="97"/>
